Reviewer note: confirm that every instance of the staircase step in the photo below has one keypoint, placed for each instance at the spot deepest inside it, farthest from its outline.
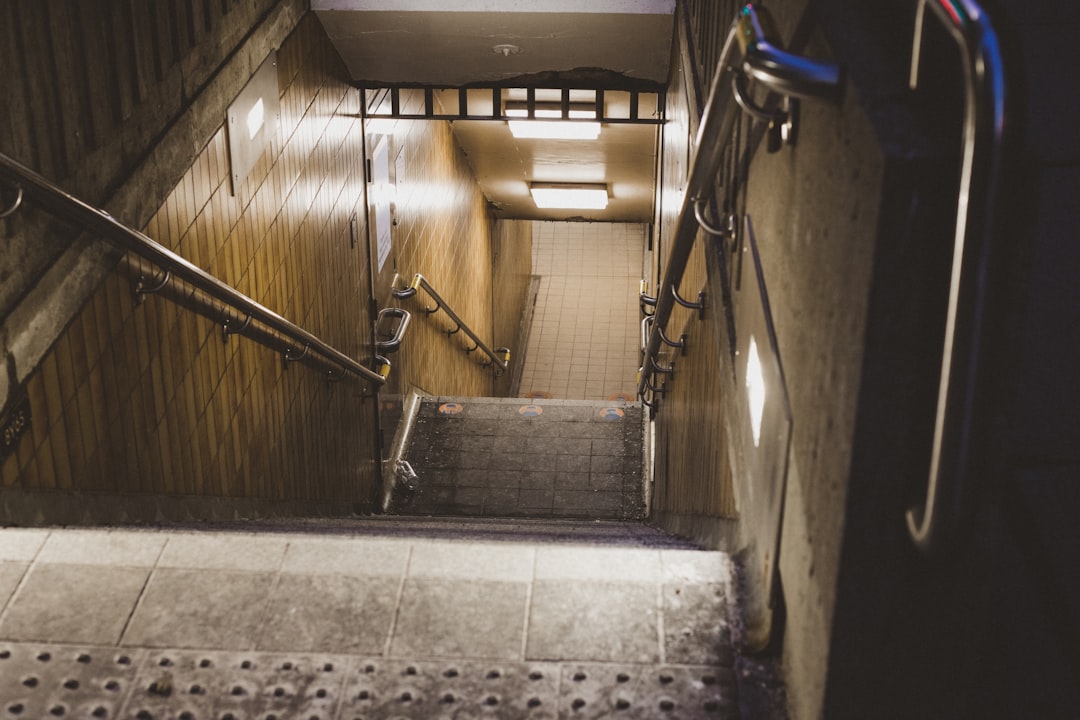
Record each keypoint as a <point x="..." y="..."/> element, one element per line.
<point x="480" y="529"/>
<point x="513" y="457"/>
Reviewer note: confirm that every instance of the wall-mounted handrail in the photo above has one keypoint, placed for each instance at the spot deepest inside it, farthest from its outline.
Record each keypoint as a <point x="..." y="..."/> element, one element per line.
<point x="782" y="72"/>
<point x="394" y="343"/>
<point x="500" y="357"/>
<point x="983" y="129"/>
<point x="98" y="222"/>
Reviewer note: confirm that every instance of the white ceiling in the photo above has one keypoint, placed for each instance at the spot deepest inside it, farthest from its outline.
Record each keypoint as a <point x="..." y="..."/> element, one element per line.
<point x="618" y="43"/>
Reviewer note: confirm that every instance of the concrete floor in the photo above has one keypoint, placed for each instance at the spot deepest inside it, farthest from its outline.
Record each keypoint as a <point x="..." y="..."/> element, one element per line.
<point x="158" y="623"/>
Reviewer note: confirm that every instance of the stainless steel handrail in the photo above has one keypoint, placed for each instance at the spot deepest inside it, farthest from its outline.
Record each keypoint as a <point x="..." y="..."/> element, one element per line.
<point x="68" y="207"/>
<point x="779" y="71"/>
<point x="500" y="356"/>
<point x="983" y="129"/>
<point x="394" y="343"/>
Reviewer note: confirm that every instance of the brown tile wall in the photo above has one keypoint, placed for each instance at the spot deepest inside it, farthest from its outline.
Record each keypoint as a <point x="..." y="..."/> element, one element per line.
<point x="692" y="472"/>
<point x="148" y="399"/>
<point x="445" y="232"/>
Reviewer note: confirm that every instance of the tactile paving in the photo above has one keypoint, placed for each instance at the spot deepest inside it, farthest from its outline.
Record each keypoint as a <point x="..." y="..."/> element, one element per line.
<point x="380" y="688"/>
<point x="646" y="692"/>
<point x="203" y="685"/>
<point x="45" y="681"/>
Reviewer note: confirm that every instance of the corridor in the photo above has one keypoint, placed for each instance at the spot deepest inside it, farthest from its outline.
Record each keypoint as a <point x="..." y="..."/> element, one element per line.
<point x="363" y="619"/>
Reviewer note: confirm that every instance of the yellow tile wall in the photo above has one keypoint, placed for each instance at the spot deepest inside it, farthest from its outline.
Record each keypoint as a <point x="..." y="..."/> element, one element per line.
<point x="692" y="471"/>
<point x="445" y="232"/>
<point x="147" y="398"/>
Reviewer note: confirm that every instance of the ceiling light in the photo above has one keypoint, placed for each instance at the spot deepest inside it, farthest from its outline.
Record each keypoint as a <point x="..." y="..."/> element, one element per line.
<point x="566" y="196"/>
<point x="552" y="129"/>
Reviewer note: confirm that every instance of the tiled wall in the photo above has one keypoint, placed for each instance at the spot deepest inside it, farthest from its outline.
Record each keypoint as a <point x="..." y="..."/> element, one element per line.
<point x="149" y="399"/>
<point x="444" y="232"/>
<point x="693" y="491"/>
<point x="584" y="340"/>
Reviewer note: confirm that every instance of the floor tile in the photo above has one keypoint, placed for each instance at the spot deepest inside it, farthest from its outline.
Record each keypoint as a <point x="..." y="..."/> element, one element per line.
<point x="103" y="547"/>
<point x="10" y="575"/>
<point x="593" y="621"/>
<point x="695" y="632"/>
<point x="200" y="609"/>
<point x="689" y="566"/>
<point x="224" y="552"/>
<point x="21" y="545"/>
<point x="477" y="561"/>
<point x="460" y="618"/>
<point x="326" y="613"/>
<point x="580" y="562"/>
<point x="365" y="556"/>
<point x="73" y="604"/>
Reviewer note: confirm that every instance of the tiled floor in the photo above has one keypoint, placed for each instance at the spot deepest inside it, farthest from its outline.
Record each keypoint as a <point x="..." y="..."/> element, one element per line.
<point x="165" y="604"/>
<point x="584" y="341"/>
<point x="508" y="457"/>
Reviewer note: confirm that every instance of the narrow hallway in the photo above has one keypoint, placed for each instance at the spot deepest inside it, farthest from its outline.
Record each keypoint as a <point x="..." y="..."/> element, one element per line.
<point x="584" y="339"/>
<point x="364" y="619"/>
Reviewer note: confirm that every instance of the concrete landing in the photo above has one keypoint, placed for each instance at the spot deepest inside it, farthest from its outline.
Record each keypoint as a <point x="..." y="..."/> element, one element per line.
<point x="513" y="457"/>
<point x="179" y="624"/>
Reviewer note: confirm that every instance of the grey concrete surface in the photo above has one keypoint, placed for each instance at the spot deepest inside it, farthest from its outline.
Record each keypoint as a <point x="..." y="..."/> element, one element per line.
<point x="187" y="609"/>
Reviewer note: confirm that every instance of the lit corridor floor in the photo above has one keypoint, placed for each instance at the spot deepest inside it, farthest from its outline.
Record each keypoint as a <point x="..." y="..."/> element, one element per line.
<point x="312" y="624"/>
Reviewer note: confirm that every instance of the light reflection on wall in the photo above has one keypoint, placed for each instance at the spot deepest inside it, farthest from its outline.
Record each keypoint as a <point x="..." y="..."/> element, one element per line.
<point x="755" y="390"/>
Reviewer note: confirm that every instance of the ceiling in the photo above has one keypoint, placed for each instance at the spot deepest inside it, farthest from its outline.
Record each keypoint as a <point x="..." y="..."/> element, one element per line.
<point x="608" y="44"/>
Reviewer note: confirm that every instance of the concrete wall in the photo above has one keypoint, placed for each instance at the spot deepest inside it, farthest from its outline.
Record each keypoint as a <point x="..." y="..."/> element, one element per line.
<point x="849" y="222"/>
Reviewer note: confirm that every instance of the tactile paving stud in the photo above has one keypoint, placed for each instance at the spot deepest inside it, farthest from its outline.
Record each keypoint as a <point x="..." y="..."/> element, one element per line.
<point x="38" y="681"/>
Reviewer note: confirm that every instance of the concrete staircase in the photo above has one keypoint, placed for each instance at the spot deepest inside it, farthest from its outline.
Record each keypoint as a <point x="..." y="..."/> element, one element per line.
<point x="513" y="457"/>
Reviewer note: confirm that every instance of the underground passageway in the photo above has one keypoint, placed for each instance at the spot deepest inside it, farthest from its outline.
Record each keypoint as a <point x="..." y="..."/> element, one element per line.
<point x="636" y="358"/>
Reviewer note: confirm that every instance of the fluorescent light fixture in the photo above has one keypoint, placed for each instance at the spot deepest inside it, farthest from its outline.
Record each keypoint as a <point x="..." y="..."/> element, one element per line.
<point x="255" y="119"/>
<point x="569" y="196"/>
<point x="755" y="390"/>
<point x="558" y="129"/>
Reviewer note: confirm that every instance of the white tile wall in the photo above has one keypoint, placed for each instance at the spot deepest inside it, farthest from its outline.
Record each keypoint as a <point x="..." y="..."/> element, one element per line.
<point x="585" y="333"/>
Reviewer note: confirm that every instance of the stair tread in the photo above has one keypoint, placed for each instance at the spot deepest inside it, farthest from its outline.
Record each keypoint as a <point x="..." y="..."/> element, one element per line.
<point x="524" y="458"/>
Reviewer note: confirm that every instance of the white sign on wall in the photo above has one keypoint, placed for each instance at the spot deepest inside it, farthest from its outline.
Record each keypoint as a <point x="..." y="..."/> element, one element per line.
<point x="382" y="192"/>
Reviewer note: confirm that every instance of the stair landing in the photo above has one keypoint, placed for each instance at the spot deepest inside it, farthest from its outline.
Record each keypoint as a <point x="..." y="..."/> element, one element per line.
<point x="514" y="457"/>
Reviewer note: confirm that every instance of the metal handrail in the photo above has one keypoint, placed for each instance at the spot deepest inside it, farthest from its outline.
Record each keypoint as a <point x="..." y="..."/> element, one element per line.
<point x="983" y="129"/>
<point x="394" y="343"/>
<point x="781" y="72"/>
<point x="500" y="356"/>
<point x="100" y="223"/>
